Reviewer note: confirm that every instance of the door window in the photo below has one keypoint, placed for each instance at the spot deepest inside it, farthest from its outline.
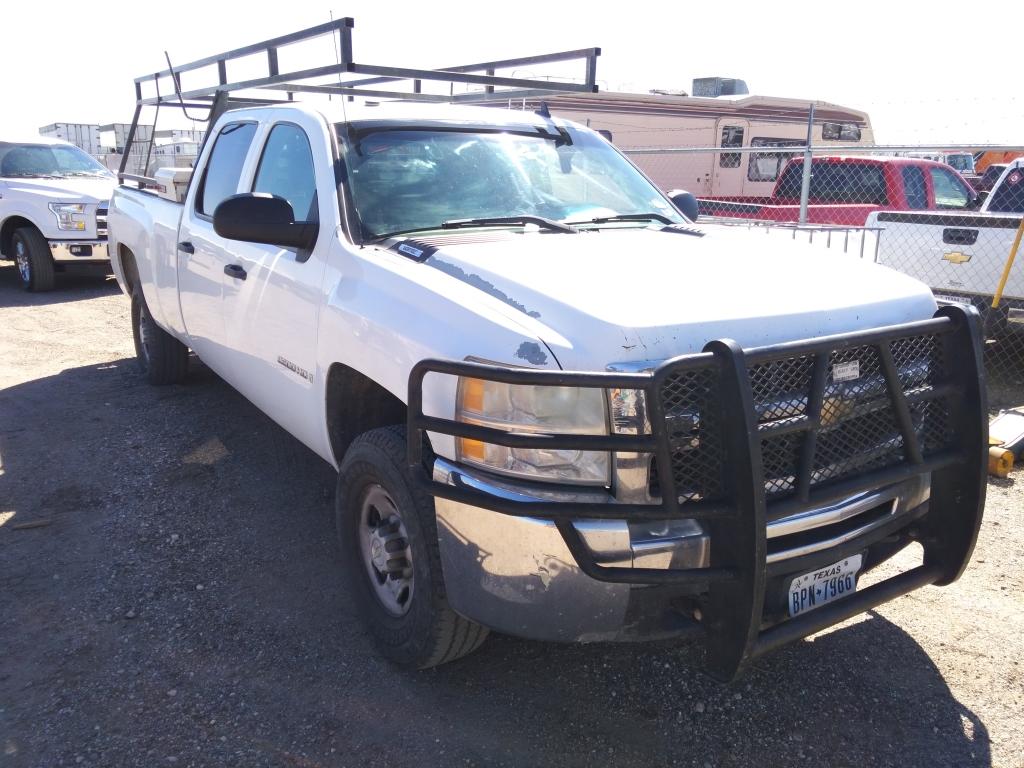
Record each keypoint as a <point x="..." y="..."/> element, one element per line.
<point x="950" y="192"/>
<point x="913" y="187"/>
<point x="286" y="170"/>
<point x="732" y="136"/>
<point x="224" y="168"/>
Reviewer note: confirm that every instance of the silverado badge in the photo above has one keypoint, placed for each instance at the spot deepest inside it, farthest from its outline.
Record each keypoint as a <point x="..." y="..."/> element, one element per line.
<point x="956" y="257"/>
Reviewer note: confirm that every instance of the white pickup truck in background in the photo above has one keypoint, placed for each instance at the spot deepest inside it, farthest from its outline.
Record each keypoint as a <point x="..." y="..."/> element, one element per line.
<point x="53" y="208"/>
<point x="558" y="408"/>
<point x="963" y="256"/>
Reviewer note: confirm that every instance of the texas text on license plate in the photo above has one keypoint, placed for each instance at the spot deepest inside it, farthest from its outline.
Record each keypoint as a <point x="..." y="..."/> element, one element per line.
<point x="823" y="585"/>
<point x="947" y="299"/>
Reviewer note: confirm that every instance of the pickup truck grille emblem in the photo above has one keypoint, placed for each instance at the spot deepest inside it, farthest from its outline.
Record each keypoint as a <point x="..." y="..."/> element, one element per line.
<point x="295" y="369"/>
<point x="956" y="257"/>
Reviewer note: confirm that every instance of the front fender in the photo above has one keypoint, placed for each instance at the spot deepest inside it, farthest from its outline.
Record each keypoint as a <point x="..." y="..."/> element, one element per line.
<point x="384" y="313"/>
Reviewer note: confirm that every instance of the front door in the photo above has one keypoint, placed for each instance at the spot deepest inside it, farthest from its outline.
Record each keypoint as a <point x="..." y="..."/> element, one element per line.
<point x="272" y="295"/>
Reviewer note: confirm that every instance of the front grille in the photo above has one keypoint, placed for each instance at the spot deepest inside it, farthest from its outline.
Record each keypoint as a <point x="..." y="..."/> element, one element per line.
<point x="101" y="223"/>
<point x="858" y="431"/>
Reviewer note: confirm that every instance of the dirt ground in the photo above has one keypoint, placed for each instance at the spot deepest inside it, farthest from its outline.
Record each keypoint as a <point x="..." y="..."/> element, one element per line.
<point x="170" y="596"/>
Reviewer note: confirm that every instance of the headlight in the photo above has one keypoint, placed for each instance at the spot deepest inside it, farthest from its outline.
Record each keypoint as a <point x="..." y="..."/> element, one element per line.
<point x="531" y="410"/>
<point x="69" y="216"/>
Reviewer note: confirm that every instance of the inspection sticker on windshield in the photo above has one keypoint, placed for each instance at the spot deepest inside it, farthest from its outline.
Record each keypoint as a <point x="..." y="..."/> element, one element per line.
<point x="846" y="371"/>
<point x="814" y="589"/>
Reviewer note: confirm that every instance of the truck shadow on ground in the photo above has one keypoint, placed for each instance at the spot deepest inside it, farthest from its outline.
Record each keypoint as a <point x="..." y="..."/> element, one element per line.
<point x="181" y="596"/>
<point x="76" y="284"/>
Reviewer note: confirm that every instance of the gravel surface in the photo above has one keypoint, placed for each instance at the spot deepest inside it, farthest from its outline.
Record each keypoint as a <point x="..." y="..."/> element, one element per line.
<point x="170" y="596"/>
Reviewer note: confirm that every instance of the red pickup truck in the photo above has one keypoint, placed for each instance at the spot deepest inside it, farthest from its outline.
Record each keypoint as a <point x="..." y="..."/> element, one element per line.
<point x="845" y="190"/>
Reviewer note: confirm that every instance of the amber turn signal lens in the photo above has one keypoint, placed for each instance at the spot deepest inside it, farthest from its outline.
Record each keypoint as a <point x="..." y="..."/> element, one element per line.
<point x="472" y="395"/>
<point x="471" y="449"/>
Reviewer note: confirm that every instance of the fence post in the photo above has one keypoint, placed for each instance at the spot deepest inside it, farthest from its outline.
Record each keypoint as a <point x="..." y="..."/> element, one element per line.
<point x="805" y="184"/>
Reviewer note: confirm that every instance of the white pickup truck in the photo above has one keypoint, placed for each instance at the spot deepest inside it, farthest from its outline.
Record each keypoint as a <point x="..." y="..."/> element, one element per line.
<point x="964" y="256"/>
<point x="53" y="208"/>
<point x="559" y="409"/>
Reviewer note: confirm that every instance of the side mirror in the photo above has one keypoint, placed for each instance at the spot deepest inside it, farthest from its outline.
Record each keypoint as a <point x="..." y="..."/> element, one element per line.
<point x="685" y="202"/>
<point x="258" y="217"/>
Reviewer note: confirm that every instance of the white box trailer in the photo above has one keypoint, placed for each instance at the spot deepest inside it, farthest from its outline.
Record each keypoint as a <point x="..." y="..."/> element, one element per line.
<point x="85" y="136"/>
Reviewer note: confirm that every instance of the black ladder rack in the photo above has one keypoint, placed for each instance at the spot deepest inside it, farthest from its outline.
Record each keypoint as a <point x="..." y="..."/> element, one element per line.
<point x="216" y="97"/>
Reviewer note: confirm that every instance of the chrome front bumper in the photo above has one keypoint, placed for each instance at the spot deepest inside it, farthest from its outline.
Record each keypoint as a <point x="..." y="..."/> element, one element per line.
<point x="79" y="250"/>
<point x="516" y="575"/>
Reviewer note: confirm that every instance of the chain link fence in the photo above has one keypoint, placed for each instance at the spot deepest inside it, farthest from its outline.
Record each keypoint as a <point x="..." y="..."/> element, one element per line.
<point x="950" y="216"/>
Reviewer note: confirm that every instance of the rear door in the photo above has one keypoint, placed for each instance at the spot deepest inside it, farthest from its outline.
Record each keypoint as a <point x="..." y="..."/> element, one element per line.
<point x="201" y="254"/>
<point x="272" y="295"/>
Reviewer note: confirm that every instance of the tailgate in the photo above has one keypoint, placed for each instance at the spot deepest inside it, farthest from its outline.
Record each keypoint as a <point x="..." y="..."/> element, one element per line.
<point x="959" y="253"/>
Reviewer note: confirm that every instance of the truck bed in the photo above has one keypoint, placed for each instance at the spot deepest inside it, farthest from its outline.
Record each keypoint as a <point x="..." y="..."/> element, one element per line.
<point x="146" y="225"/>
<point x="960" y="256"/>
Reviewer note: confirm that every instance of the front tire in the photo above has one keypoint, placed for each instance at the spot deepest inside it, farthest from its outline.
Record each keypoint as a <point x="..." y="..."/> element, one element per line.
<point x="33" y="259"/>
<point x="387" y="531"/>
<point x="161" y="357"/>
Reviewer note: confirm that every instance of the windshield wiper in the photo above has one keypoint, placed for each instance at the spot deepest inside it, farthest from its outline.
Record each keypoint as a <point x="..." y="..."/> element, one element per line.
<point x="490" y="221"/>
<point x="84" y="173"/>
<point x="499" y="221"/>
<point x="627" y="217"/>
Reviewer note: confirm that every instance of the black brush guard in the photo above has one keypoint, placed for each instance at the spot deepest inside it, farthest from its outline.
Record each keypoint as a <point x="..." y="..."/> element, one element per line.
<point x="737" y="500"/>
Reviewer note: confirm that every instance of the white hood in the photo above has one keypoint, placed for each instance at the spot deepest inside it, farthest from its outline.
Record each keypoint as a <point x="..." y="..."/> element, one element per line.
<point x="610" y="296"/>
<point x="75" y="189"/>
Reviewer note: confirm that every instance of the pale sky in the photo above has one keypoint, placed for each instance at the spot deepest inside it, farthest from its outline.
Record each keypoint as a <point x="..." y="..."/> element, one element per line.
<point x="940" y="74"/>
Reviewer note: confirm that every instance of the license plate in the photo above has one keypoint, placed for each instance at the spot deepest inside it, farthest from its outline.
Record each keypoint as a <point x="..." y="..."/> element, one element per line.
<point x="952" y="299"/>
<point x="824" y="585"/>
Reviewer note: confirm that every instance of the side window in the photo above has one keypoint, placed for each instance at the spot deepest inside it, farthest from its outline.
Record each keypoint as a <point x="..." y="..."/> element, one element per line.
<point x="732" y="136"/>
<point x="286" y="170"/>
<point x="913" y="187"/>
<point x="766" y="166"/>
<point x="950" y="192"/>
<point x="220" y="179"/>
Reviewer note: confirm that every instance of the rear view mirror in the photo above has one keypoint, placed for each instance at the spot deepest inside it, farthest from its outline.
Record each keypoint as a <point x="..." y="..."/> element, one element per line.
<point x="685" y="202"/>
<point x="258" y="217"/>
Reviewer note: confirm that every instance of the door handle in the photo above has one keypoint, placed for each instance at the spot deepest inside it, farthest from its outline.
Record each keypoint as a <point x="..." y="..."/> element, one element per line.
<point x="959" y="236"/>
<point x="186" y="246"/>
<point x="235" y="270"/>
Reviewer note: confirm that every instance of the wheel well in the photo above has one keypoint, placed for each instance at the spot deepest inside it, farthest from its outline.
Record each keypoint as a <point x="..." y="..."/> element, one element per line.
<point x="7" y="232"/>
<point x="128" y="267"/>
<point x="356" y="404"/>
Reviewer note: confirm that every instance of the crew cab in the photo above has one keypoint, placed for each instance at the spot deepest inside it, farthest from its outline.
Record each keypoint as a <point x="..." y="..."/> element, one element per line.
<point x="559" y="409"/>
<point x="844" y="190"/>
<point x="53" y="208"/>
<point x="967" y="258"/>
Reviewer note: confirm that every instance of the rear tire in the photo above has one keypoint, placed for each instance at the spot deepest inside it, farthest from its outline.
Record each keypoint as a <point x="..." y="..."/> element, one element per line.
<point x="162" y="358"/>
<point x="388" y="535"/>
<point x="33" y="259"/>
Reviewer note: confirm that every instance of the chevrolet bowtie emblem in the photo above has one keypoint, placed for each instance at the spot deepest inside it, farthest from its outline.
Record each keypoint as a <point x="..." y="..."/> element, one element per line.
<point x="956" y="257"/>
